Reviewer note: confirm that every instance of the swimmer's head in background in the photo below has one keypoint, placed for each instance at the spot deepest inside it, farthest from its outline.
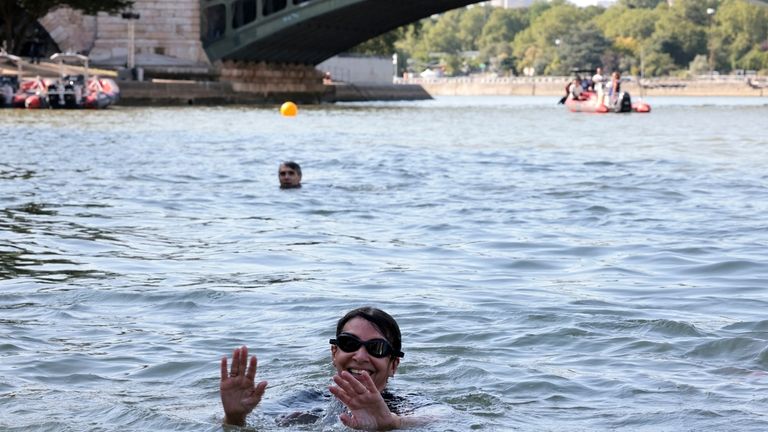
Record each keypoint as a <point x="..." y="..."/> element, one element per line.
<point x="289" y="175"/>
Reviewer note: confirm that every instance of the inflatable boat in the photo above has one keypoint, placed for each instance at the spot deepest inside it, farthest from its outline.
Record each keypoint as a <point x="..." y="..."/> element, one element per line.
<point x="9" y="82"/>
<point x="82" y="90"/>
<point x="588" y="101"/>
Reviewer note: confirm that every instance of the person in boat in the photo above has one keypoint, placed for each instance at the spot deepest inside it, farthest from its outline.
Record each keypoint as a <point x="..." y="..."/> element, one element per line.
<point x="365" y="353"/>
<point x="289" y="174"/>
<point x="598" y="84"/>
<point x="614" y="87"/>
<point x="586" y="83"/>
<point x="597" y="79"/>
<point x="575" y="89"/>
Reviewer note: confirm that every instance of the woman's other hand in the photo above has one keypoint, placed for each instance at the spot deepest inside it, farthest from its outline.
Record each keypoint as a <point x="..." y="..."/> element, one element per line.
<point x="367" y="408"/>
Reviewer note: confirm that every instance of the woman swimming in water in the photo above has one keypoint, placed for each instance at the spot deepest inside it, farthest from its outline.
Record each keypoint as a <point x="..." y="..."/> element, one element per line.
<point x="365" y="353"/>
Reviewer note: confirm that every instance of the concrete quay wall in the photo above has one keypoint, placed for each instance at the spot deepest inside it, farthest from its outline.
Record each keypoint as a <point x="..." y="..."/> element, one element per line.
<point x="175" y="93"/>
<point x="342" y="92"/>
<point x="274" y="81"/>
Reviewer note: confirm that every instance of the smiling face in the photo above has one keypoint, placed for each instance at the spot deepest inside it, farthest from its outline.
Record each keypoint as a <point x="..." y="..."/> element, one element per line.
<point x="380" y="369"/>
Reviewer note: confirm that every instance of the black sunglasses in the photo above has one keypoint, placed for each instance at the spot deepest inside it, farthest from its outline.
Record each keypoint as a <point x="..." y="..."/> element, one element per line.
<point x="378" y="348"/>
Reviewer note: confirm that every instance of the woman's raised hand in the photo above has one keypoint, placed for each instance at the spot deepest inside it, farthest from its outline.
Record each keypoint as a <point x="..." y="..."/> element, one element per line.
<point x="239" y="393"/>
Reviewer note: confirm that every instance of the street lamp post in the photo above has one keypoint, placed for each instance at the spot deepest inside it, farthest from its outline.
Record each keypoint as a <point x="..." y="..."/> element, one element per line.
<point x="131" y="16"/>
<point x="394" y="67"/>
<point x="711" y="59"/>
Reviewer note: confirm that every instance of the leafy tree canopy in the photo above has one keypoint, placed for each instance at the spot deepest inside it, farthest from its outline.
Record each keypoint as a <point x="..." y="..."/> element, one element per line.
<point x="582" y="49"/>
<point x="640" y="4"/>
<point x="648" y="37"/>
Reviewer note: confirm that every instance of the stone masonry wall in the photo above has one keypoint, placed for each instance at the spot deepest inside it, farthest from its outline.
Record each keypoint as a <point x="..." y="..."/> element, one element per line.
<point x="167" y="32"/>
<point x="71" y="30"/>
<point x="266" y="78"/>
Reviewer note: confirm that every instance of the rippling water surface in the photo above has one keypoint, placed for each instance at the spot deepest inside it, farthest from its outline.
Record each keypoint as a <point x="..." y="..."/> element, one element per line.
<point x="549" y="270"/>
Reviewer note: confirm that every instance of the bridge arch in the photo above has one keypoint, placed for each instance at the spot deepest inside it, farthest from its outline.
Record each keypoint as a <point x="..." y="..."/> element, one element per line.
<point x="304" y="31"/>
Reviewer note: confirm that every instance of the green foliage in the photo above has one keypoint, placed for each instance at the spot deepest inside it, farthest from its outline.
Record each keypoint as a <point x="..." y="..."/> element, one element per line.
<point x="545" y="32"/>
<point x="627" y="36"/>
<point x="582" y="49"/>
<point x="681" y="39"/>
<point x="692" y="12"/>
<point x="659" y="64"/>
<point x="699" y="65"/>
<point x="495" y="41"/>
<point x="383" y="45"/>
<point x="741" y="27"/>
<point x="501" y="27"/>
<point x="640" y="4"/>
<point x="471" y="24"/>
<point x="619" y="22"/>
<point x="443" y="35"/>
<point x="756" y="59"/>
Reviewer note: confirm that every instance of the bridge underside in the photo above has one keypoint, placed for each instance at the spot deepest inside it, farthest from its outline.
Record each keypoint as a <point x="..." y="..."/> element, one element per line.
<point x="329" y="31"/>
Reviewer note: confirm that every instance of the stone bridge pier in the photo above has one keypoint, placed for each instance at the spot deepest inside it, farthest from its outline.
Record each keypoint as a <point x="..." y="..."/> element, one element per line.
<point x="270" y="81"/>
<point x="167" y="44"/>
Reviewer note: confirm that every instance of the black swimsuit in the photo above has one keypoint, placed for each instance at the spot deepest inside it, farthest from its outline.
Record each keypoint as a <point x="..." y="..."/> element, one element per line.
<point x="312" y="405"/>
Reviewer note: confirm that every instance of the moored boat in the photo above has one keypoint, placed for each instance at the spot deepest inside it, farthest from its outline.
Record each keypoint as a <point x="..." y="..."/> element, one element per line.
<point x="19" y="92"/>
<point x="81" y="90"/>
<point x="9" y="83"/>
<point x="32" y="93"/>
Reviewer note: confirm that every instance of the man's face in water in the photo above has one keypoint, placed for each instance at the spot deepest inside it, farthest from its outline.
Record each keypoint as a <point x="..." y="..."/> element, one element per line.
<point x="289" y="178"/>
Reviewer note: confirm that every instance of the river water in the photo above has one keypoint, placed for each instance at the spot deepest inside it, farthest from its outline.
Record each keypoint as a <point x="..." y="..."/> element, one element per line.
<point x="549" y="270"/>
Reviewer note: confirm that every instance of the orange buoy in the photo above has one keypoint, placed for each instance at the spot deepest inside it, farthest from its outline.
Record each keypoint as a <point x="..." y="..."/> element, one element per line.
<point x="289" y="109"/>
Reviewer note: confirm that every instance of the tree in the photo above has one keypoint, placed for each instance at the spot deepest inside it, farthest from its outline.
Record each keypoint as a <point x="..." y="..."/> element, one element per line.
<point x="682" y="39"/>
<point x="17" y="16"/>
<point x="495" y="40"/>
<point x="640" y="4"/>
<point x="443" y="36"/>
<point x="411" y="48"/>
<point x="619" y="22"/>
<point x="382" y="45"/>
<point x="699" y="65"/>
<point x="545" y="31"/>
<point x="630" y="30"/>
<point x="471" y="25"/>
<point x="581" y="49"/>
<point x="740" y="29"/>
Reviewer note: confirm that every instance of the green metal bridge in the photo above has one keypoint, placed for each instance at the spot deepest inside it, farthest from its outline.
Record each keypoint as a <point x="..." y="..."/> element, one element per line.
<point x="304" y="31"/>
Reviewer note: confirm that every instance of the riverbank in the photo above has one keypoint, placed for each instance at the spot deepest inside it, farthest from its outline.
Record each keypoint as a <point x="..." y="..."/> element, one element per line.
<point x="169" y="92"/>
<point x="555" y="86"/>
<point x="157" y="91"/>
<point x="174" y="92"/>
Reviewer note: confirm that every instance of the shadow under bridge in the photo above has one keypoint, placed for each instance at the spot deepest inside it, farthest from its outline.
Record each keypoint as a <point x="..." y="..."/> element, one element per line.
<point x="304" y="31"/>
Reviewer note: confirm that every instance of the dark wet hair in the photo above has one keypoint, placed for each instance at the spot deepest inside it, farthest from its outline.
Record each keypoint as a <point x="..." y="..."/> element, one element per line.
<point x="294" y="166"/>
<point x="382" y="321"/>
